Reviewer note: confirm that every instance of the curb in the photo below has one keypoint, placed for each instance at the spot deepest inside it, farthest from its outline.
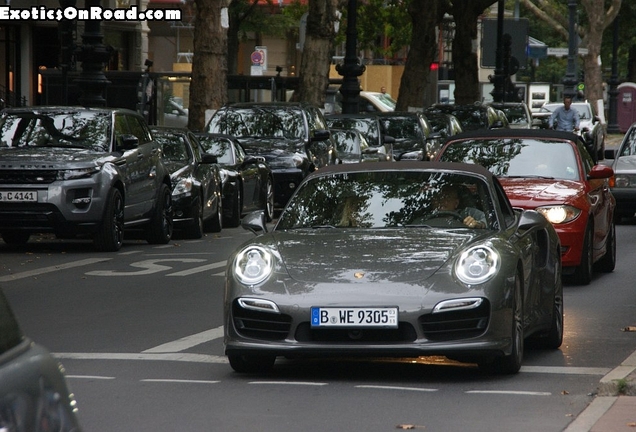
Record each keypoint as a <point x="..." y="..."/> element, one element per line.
<point x="621" y="381"/>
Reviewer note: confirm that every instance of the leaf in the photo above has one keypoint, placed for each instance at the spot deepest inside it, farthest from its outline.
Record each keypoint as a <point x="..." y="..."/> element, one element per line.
<point x="409" y="427"/>
<point x="565" y="392"/>
<point x="629" y="329"/>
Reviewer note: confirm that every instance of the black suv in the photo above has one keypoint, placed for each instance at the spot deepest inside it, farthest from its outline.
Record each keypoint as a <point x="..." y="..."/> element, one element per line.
<point x="77" y="171"/>
<point x="293" y="137"/>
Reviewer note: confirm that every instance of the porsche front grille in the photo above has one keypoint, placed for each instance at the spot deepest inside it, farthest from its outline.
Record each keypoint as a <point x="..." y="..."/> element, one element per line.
<point x="454" y="325"/>
<point x="260" y="325"/>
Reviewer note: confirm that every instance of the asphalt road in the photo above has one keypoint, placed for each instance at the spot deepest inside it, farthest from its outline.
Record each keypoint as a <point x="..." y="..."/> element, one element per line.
<point x="140" y="335"/>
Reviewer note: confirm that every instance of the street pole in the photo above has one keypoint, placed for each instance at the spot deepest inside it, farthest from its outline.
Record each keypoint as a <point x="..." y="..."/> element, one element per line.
<point x="351" y="69"/>
<point x="613" y="126"/>
<point x="66" y="28"/>
<point x="499" y="77"/>
<point x="569" y="82"/>
<point x="92" y="81"/>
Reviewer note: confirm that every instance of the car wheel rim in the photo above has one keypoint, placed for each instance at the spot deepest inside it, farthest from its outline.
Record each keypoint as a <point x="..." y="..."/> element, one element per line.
<point x="118" y="221"/>
<point x="167" y="215"/>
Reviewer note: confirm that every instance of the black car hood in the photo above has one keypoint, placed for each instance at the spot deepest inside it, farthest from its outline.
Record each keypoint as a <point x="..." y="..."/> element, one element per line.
<point x="358" y="255"/>
<point x="51" y="157"/>
<point x="280" y="153"/>
<point x="272" y="147"/>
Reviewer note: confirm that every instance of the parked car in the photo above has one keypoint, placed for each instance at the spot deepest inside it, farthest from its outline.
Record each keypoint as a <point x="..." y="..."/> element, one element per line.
<point x="174" y="114"/>
<point x="353" y="147"/>
<point x="248" y="182"/>
<point x="196" y="181"/>
<point x="471" y="116"/>
<point x="517" y="113"/>
<point x="444" y="125"/>
<point x="590" y="128"/>
<point x="366" y="123"/>
<point x="77" y="171"/>
<point x="412" y="134"/>
<point x="623" y="184"/>
<point x="392" y="284"/>
<point x="376" y="102"/>
<point x="34" y="395"/>
<point x="552" y="172"/>
<point x="293" y="137"/>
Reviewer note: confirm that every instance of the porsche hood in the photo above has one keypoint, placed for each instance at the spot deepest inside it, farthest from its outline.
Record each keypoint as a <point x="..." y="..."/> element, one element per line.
<point x="362" y="256"/>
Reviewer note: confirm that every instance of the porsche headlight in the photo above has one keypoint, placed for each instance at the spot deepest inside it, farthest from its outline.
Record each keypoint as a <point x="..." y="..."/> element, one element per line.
<point x="559" y="214"/>
<point x="183" y="186"/>
<point x="477" y="265"/>
<point x="253" y="265"/>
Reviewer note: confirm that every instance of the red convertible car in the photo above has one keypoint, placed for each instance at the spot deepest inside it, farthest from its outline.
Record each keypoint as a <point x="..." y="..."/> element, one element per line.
<point x="553" y="173"/>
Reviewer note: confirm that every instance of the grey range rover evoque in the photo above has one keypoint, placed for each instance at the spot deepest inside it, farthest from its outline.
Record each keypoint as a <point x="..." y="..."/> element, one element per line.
<point x="81" y="172"/>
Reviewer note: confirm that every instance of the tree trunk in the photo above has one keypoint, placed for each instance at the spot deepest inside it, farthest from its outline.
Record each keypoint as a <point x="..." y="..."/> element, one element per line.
<point x="208" y="88"/>
<point x="599" y="19"/>
<point x="416" y="76"/>
<point x="465" y="13"/>
<point x="317" y="51"/>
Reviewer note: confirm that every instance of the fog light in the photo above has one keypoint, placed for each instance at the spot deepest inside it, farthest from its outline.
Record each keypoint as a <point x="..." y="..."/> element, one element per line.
<point x="292" y="185"/>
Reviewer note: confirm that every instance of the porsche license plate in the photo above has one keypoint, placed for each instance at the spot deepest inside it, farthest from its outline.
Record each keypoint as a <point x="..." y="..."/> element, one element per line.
<point x="354" y="317"/>
<point x="18" y="196"/>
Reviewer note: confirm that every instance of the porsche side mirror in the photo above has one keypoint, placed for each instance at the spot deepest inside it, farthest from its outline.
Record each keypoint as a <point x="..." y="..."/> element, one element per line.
<point x="255" y="222"/>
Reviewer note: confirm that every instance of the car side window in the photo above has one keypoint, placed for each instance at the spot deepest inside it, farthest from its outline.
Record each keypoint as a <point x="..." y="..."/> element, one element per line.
<point x="196" y="146"/>
<point x="506" y="209"/>
<point x="630" y="143"/>
<point x="137" y="129"/>
<point x="121" y="128"/>
<point x="10" y="333"/>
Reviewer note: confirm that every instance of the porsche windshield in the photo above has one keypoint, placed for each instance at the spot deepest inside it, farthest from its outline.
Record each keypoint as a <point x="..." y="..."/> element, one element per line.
<point x="387" y="199"/>
<point x="74" y="129"/>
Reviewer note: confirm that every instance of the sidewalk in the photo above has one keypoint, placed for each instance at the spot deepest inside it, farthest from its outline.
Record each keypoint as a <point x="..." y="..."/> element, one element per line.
<point x="614" y="407"/>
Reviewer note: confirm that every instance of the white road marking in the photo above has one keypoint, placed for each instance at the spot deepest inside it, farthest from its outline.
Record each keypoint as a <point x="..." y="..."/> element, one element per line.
<point x="150" y="266"/>
<point x="180" y="381"/>
<point x="565" y="370"/>
<point x="397" y="388"/>
<point x="187" y="342"/>
<point x="304" y="383"/>
<point x="43" y="270"/>
<point x="199" y="269"/>
<point x="509" y="392"/>
<point x="219" y="274"/>
<point x="132" y="252"/>
<point x="97" y="377"/>
<point x="192" y="358"/>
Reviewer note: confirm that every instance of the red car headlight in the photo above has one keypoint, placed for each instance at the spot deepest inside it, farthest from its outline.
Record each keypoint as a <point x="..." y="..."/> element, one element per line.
<point x="559" y="214"/>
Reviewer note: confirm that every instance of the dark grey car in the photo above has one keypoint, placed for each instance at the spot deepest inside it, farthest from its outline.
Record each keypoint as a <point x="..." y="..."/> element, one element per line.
<point x="77" y="171"/>
<point x="34" y="395"/>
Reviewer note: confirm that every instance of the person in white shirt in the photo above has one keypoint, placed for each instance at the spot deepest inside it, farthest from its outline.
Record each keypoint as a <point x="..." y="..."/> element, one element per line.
<point x="565" y="118"/>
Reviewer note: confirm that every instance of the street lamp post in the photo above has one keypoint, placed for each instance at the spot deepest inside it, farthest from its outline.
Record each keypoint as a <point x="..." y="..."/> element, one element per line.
<point x="66" y="28"/>
<point x="613" y="126"/>
<point x="569" y="82"/>
<point x="351" y="69"/>
<point x="93" y="53"/>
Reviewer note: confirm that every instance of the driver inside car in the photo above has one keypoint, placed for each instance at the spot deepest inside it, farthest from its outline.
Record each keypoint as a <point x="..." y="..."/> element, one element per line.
<point x="447" y="200"/>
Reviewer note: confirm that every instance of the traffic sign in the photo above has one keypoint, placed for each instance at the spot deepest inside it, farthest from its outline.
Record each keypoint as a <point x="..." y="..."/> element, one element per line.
<point x="257" y="57"/>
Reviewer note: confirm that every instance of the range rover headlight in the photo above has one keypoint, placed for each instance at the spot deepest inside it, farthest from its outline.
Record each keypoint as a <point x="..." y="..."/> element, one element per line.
<point x="559" y="214"/>
<point x="477" y="265"/>
<point x="74" y="174"/>
<point x="253" y="265"/>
